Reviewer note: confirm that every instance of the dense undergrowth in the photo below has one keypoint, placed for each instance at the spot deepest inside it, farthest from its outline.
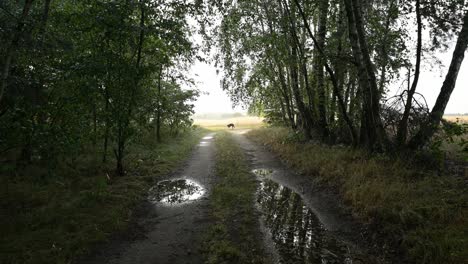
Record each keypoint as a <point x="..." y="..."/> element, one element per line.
<point x="233" y="238"/>
<point x="56" y="217"/>
<point x="421" y="211"/>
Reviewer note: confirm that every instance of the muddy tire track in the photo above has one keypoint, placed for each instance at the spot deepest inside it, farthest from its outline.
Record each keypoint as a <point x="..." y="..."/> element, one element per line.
<point x="330" y="231"/>
<point x="167" y="232"/>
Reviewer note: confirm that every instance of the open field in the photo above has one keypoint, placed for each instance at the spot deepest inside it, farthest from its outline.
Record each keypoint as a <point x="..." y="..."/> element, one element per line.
<point x="239" y="122"/>
<point x="457" y="118"/>
<point x="456" y="148"/>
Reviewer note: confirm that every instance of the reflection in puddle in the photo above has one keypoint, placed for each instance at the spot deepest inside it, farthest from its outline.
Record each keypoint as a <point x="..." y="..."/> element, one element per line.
<point x="262" y="172"/>
<point x="298" y="235"/>
<point x="175" y="191"/>
<point x="204" y="143"/>
<point x="207" y="137"/>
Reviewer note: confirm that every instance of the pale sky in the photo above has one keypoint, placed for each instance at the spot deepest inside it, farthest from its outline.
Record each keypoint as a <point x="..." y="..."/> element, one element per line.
<point x="431" y="81"/>
<point x="215" y="99"/>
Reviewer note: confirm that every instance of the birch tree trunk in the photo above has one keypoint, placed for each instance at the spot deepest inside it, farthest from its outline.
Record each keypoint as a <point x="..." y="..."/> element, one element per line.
<point x="322" y="98"/>
<point x="429" y="128"/>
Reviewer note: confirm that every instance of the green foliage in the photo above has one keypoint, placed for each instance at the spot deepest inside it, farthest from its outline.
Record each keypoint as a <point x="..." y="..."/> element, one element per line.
<point x="87" y="74"/>
<point x="451" y="134"/>
<point x="59" y="219"/>
<point x="81" y="85"/>
<point x="278" y="62"/>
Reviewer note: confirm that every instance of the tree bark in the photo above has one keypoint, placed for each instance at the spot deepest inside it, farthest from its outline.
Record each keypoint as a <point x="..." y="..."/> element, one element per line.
<point x="430" y="127"/>
<point x="293" y="70"/>
<point x="320" y="61"/>
<point x="384" y="51"/>
<point x="375" y="128"/>
<point x="158" y="110"/>
<point x="372" y="131"/>
<point x="403" y="125"/>
<point x="10" y="51"/>
<point x="286" y="95"/>
<point x="331" y="73"/>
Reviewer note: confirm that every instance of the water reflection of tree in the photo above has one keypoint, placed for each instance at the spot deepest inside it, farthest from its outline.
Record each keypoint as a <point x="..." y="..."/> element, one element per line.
<point x="296" y="231"/>
<point x="175" y="191"/>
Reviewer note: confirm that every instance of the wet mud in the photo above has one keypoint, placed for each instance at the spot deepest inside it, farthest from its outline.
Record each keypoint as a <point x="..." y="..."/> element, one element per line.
<point x="170" y="223"/>
<point x="302" y="222"/>
<point x="298" y="235"/>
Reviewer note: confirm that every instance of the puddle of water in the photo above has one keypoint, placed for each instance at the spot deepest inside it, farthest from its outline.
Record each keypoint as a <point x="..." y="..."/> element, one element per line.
<point x="204" y="143"/>
<point x="262" y="172"/>
<point x="298" y="235"/>
<point x="178" y="191"/>
<point x="207" y="137"/>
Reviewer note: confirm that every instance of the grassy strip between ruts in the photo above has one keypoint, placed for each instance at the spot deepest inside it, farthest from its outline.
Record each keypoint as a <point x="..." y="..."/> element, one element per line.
<point x="234" y="236"/>
<point x="421" y="212"/>
<point x="56" y="219"/>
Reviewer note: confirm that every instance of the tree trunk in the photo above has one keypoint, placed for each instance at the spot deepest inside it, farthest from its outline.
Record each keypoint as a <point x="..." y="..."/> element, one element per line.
<point x="430" y="127"/>
<point x="293" y="70"/>
<point x="119" y="153"/>
<point x="331" y="73"/>
<point x="375" y="128"/>
<point x="297" y="94"/>
<point x="11" y="49"/>
<point x="283" y="90"/>
<point x="158" y="110"/>
<point x="107" y="124"/>
<point x="384" y="52"/>
<point x="289" y="107"/>
<point x="94" y="124"/>
<point x="403" y="125"/>
<point x="372" y="132"/>
<point x="320" y="61"/>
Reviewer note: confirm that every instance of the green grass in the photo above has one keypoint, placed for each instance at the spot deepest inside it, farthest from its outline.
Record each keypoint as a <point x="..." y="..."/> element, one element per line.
<point x="233" y="237"/>
<point x="421" y="212"/>
<point x="56" y="219"/>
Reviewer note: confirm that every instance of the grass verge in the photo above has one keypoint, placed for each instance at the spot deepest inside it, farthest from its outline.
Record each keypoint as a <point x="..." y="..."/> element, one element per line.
<point x="59" y="218"/>
<point x="233" y="237"/>
<point x="422" y="213"/>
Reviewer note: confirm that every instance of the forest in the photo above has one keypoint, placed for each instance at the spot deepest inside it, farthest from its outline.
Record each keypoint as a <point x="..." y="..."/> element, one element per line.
<point x="326" y="67"/>
<point x="83" y="76"/>
<point x="101" y="160"/>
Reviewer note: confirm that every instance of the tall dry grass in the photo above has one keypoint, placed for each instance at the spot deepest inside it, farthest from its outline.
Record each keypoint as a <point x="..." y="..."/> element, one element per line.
<point x="239" y="122"/>
<point x="423" y="212"/>
<point x="461" y="119"/>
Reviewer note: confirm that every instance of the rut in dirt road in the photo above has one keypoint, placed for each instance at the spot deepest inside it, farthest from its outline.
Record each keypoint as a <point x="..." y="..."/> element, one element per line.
<point x="174" y="218"/>
<point x="301" y="222"/>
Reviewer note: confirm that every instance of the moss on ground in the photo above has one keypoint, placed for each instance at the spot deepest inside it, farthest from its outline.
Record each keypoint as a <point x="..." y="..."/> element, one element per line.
<point x="423" y="213"/>
<point x="56" y="218"/>
<point x="234" y="236"/>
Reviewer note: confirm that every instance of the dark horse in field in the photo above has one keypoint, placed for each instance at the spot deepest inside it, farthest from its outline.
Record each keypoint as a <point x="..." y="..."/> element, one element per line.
<point x="231" y="125"/>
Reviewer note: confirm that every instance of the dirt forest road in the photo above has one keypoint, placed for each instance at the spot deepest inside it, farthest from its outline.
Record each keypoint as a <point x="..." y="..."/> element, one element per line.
<point x="171" y="224"/>
<point x="169" y="231"/>
<point x="332" y="235"/>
